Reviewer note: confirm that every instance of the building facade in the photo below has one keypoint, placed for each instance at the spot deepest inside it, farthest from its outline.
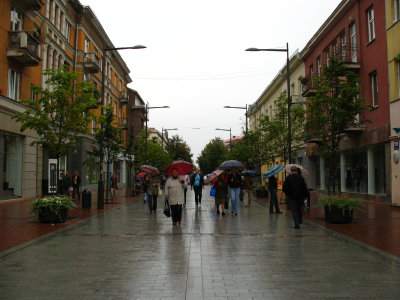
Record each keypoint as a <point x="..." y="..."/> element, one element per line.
<point x="356" y="32"/>
<point x="393" y="50"/>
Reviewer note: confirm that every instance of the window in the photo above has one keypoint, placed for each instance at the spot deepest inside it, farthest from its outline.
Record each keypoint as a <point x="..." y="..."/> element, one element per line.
<point x="16" y="20"/>
<point x="292" y="90"/>
<point x="353" y="41"/>
<point x="335" y="52"/>
<point x="318" y="65"/>
<point x="371" y="24"/>
<point x="396" y="10"/>
<point x="52" y="11"/>
<point x="87" y="45"/>
<point x="327" y="57"/>
<point x="13" y="84"/>
<point x="58" y="18"/>
<point x="270" y="112"/>
<point x="67" y="30"/>
<point x="374" y="87"/>
<point x="33" y="94"/>
<point x="93" y="126"/>
<point x="343" y="42"/>
<point x="311" y="71"/>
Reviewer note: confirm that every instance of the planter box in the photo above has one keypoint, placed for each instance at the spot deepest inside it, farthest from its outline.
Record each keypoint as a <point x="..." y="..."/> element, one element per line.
<point x="49" y="217"/>
<point x="334" y="214"/>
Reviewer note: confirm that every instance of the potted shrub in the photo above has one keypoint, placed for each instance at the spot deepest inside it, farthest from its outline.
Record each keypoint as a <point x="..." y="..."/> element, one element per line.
<point x="339" y="208"/>
<point x="53" y="209"/>
<point x="260" y="191"/>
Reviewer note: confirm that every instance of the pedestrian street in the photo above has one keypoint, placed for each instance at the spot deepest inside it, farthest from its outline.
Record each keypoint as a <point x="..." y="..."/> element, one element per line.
<point x="126" y="253"/>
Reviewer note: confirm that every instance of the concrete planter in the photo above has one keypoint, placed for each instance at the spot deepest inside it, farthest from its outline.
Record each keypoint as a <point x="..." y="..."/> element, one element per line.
<point x="333" y="214"/>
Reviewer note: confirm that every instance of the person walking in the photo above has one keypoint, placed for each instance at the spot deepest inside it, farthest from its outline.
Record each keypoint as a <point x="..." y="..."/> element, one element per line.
<point x="187" y="181"/>
<point x="272" y="188"/>
<point x="114" y="186"/>
<point x="221" y="192"/>
<point x="76" y="182"/>
<point x="145" y="185"/>
<point x="247" y="189"/>
<point x="67" y="184"/>
<point x="197" y="183"/>
<point x="153" y="186"/>
<point x="296" y="191"/>
<point x="235" y="182"/>
<point x="174" y="194"/>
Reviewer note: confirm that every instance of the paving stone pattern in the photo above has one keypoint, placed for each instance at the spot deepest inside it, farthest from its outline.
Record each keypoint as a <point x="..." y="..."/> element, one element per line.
<point x="126" y="253"/>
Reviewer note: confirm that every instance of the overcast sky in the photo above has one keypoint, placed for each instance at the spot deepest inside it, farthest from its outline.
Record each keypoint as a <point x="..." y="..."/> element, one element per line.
<point x="195" y="60"/>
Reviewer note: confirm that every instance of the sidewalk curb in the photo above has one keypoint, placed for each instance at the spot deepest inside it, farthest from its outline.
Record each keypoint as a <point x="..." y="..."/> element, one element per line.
<point x="383" y="254"/>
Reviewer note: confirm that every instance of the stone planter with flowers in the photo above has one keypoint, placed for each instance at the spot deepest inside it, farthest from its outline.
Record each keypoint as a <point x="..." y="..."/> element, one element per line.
<point x="53" y="209"/>
<point x="339" y="208"/>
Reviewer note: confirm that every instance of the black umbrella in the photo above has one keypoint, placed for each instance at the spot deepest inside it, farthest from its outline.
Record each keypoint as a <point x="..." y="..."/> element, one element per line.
<point x="251" y="173"/>
<point x="229" y="164"/>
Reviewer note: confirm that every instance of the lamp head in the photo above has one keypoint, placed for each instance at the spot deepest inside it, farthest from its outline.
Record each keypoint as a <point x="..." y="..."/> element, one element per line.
<point x="252" y="49"/>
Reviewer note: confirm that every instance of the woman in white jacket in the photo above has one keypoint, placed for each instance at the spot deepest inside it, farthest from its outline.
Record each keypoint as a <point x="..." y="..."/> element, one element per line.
<point x="175" y="194"/>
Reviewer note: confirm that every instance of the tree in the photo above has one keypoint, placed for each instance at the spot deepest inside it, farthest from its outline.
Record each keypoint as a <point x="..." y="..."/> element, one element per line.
<point x="179" y="149"/>
<point x="334" y="109"/>
<point x="109" y="138"/>
<point x="128" y="152"/>
<point x="61" y="113"/>
<point x="275" y="132"/>
<point x="212" y="155"/>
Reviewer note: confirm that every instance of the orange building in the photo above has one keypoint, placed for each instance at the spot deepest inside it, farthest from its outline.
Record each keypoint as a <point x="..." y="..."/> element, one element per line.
<point x="46" y="34"/>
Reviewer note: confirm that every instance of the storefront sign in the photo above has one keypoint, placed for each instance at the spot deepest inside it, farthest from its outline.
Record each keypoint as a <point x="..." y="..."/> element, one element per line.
<point x="396" y="145"/>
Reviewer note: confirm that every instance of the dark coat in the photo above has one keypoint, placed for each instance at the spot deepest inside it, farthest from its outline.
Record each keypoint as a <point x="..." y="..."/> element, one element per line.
<point x="247" y="183"/>
<point x="272" y="183"/>
<point x="235" y="180"/>
<point x="295" y="189"/>
<point x="193" y="178"/>
<point x="221" y="189"/>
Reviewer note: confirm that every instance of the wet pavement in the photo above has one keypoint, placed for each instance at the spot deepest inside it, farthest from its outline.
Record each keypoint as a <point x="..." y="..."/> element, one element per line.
<point x="125" y="253"/>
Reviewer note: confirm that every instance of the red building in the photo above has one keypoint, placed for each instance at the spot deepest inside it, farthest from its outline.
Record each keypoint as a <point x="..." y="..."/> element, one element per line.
<point x="356" y="32"/>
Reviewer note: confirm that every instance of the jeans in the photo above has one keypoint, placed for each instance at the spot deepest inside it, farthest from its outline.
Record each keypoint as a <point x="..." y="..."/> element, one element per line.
<point x="197" y="194"/>
<point x="152" y="203"/>
<point x="247" y="197"/>
<point x="235" y="194"/>
<point x="145" y="197"/>
<point x="76" y="191"/>
<point x="273" y="202"/>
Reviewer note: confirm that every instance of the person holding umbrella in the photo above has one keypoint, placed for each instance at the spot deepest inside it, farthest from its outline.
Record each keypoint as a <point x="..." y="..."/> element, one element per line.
<point x="221" y="192"/>
<point x="235" y="182"/>
<point x="272" y="187"/>
<point x="197" y="182"/>
<point x="152" y="190"/>
<point x="174" y="194"/>
<point x="296" y="191"/>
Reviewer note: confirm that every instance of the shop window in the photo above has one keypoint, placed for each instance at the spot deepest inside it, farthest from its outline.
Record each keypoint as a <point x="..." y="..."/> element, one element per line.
<point x="356" y="171"/>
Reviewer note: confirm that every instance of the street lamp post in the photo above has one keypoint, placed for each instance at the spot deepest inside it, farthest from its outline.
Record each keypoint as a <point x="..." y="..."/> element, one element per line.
<point x="147" y="112"/>
<point x="166" y="134"/>
<point x="288" y="93"/>
<point x="100" y="187"/>
<point x="230" y="135"/>
<point x="240" y="107"/>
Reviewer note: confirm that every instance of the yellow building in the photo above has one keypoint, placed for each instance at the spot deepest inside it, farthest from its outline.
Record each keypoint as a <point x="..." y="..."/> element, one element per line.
<point x="393" y="46"/>
<point x="45" y="34"/>
<point x="265" y="105"/>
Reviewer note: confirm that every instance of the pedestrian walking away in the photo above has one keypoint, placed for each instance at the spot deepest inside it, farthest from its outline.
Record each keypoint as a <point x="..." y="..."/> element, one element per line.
<point x="76" y="182"/>
<point x="174" y="193"/>
<point x="235" y="182"/>
<point x="187" y="181"/>
<point x="67" y="184"/>
<point x="145" y="185"/>
<point x="152" y="191"/>
<point x="273" y="201"/>
<point x="247" y="190"/>
<point x="114" y="186"/>
<point x="221" y="192"/>
<point x="296" y="191"/>
<point x="197" y="183"/>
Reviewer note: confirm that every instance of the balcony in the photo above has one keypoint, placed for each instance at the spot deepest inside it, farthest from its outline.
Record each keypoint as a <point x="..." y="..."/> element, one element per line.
<point x="307" y="89"/>
<point x="350" y="57"/>
<point x="123" y="99"/>
<point x="91" y="63"/>
<point x="31" y="4"/>
<point x="23" y="48"/>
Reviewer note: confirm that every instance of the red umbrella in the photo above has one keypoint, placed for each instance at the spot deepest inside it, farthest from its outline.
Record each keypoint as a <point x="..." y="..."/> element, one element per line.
<point x="213" y="175"/>
<point x="149" y="169"/>
<point x="183" y="167"/>
<point x="142" y="174"/>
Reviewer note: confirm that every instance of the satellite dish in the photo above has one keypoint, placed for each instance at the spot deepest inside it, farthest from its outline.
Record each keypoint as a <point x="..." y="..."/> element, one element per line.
<point x="43" y="32"/>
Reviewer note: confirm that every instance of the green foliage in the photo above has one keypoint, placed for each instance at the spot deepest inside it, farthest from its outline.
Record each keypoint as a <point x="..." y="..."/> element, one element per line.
<point x="334" y="109"/>
<point x="108" y="135"/>
<point x="179" y="149"/>
<point x="260" y="191"/>
<point x="343" y="202"/>
<point x="212" y="155"/>
<point x="61" y="113"/>
<point x="54" y="203"/>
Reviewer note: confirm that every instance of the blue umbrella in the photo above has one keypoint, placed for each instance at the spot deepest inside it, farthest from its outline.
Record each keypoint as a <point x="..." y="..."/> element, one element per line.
<point x="274" y="170"/>
<point x="251" y="173"/>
